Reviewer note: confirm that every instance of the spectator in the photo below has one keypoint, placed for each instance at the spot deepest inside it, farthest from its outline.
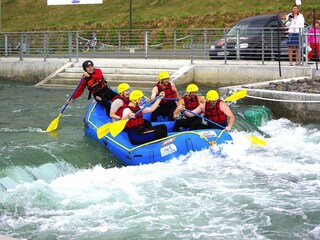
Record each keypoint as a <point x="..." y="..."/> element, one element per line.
<point x="314" y="40"/>
<point x="295" y="23"/>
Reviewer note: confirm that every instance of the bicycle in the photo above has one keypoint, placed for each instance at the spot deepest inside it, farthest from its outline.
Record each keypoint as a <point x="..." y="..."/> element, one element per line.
<point x="86" y="44"/>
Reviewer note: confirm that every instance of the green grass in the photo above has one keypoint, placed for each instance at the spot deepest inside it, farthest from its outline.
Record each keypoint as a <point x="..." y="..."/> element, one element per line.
<point x="33" y="15"/>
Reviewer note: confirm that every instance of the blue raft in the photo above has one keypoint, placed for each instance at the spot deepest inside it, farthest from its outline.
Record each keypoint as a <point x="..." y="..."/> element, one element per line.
<point x="176" y="144"/>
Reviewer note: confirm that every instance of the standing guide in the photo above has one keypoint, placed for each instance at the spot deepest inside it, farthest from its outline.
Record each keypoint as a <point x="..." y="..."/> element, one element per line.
<point x="96" y="84"/>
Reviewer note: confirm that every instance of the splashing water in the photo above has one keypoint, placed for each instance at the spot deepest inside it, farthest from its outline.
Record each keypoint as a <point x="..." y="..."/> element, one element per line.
<point x="69" y="187"/>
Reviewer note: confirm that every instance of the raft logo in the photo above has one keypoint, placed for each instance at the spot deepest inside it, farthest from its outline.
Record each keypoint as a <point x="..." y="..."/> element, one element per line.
<point x="168" y="150"/>
<point x="209" y="134"/>
<point x="73" y="2"/>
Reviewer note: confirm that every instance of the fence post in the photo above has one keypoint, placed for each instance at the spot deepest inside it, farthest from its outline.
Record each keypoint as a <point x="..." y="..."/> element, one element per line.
<point x="70" y="46"/>
<point x="146" y="43"/>
<point x="191" y="46"/>
<point x="6" y="44"/>
<point x="94" y="36"/>
<point x="225" y="45"/>
<point x="262" y="44"/>
<point x="20" y="47"/>
<point x="77" y="46"/>
<point x="174" y="44"/>
<point x="205" y="43"/>
<point x="119" y="44"/>
<point x="238" y="45"/>
<point x="45" y="46"/>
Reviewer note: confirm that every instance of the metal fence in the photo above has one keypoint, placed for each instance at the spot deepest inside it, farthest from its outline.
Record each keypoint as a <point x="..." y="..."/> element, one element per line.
<point x="216" y="43"/>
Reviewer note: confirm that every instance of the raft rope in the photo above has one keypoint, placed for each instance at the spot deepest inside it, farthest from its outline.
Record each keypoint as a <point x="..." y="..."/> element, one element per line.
<point x="281" y="100"/>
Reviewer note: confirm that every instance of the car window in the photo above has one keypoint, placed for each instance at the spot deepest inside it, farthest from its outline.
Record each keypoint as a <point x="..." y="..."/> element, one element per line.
<point x="244" y="29"/>
<point x="273" y="24"/>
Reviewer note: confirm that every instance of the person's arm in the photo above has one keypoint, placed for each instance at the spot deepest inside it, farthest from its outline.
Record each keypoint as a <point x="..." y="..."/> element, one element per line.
<point x="155" y="105"/>
<point x="198" y="110"/>
<point x="97" y="74"/>
<point x="115" y="105"/>
<point x="227" y="111"/>
<point x="175" y="89"/>
<point x="178" y="108"/>
<point x="154" y="93"/>
<point x="79" y="91"/>
<point x="127" y="113"/>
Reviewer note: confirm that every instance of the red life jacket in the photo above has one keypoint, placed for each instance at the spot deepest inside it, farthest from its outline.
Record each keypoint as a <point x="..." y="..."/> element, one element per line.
<point x="95" y="85"/>
<point x="138" y="121"/>
<point x="170" y="93"/>
<point x="191" y="103"/>
<point x="214" y="113"/>
<point x="125" y="100"/>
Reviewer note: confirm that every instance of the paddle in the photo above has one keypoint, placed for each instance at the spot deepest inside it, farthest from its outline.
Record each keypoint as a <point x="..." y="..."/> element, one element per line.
<point x="236" y="96"/>
<point x="117" y="127"/>
<point x="55" y="122"/>
<point x="254" y="140"/>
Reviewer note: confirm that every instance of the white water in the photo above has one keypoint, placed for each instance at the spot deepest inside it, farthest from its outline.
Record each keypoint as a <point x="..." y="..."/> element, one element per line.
<point x="254" y="192"/>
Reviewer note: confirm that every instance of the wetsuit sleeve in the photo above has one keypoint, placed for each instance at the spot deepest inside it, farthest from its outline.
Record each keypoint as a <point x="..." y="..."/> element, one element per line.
<point x="97" y="75"/>
<point x="80" y="89"/>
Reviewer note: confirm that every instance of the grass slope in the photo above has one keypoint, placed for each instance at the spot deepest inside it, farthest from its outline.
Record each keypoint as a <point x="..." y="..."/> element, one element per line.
<point x="32" y="15"/>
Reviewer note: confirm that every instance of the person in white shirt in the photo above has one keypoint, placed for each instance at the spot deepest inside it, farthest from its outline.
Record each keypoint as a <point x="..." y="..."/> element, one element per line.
<point x="295" y="23"/>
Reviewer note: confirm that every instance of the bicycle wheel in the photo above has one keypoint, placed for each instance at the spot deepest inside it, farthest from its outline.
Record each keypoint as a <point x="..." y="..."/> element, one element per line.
<point x="83" y="47"/>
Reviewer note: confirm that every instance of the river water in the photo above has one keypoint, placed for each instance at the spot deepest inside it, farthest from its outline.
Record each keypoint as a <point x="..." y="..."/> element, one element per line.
<point x="67" y="186"/>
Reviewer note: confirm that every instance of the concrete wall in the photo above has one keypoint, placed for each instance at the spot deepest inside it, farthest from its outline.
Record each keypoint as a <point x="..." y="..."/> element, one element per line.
<point x="227" y="75"/>
<point x="28" y="71"/>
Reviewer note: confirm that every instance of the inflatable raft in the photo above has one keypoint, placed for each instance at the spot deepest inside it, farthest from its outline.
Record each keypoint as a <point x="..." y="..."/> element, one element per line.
<point x="176" y="144"/>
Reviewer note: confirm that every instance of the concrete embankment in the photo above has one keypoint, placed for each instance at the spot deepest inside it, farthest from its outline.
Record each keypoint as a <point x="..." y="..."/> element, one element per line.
<point x="214" y="73"/>
<point x="298" y="106"/>
<point x="142" y="73"/>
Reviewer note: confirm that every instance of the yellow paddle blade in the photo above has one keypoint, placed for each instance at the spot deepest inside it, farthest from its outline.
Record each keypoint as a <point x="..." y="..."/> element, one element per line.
<point x="236" y="96"/>
<point x="257" y="141"/>
<point x="117" y="127"/>
<point x="103" y="130"/>
<point x="54" y="124"/>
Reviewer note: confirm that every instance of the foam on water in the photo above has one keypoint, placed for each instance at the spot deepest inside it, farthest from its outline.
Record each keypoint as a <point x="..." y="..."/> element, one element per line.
<point x="253" y="192"/>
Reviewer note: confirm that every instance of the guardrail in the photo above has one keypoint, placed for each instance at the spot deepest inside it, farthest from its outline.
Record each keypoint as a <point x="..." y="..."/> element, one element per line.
<point x="216" y="43"/>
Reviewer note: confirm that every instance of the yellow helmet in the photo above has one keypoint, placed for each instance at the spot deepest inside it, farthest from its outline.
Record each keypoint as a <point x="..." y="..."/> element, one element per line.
<point x="135" y="95"/>
<point x="163" y="75"/>
<point x="192" y="88"/>
<point x="123" y="87"/>
<point x="212" y="95"/>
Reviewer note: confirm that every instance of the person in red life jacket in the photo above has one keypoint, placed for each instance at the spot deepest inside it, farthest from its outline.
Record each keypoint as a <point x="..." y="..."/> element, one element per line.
<point x="166" y="107"/>
<point x="96" y="84"/>
<point x="121" y="99"/>
<point x="215" y="110"/>
<point x="190" y="101"/>
<point x="138" y="129"/>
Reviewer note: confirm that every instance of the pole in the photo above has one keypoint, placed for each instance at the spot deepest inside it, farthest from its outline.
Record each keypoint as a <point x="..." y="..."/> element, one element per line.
<point x="130" y="23"/>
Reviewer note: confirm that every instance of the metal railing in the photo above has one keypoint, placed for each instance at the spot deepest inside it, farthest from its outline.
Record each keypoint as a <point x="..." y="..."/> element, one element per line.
<point x="216" y="43"/>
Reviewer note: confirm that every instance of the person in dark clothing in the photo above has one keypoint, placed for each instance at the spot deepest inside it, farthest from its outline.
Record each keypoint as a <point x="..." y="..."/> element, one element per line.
<point x="93" y="80"/>
<point x="190" y="101"/>
<point x="166" y="107"/>
<point x="138" y="129"/>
